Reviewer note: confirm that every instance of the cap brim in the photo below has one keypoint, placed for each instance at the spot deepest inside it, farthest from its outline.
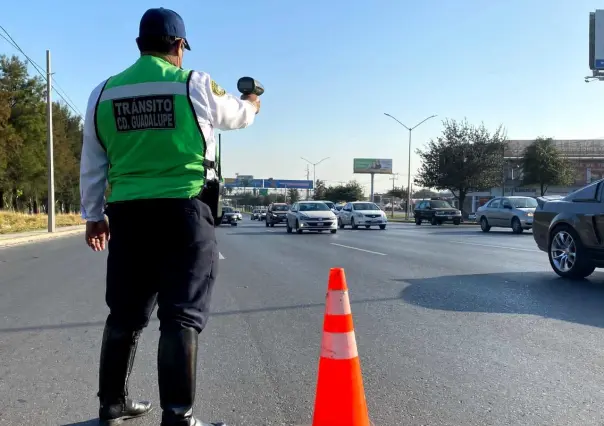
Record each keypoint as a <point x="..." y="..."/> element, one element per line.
<point x="187" y="46"/>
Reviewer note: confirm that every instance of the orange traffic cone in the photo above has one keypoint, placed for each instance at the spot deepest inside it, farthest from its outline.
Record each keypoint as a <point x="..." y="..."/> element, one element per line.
<point x="340" y="399"/>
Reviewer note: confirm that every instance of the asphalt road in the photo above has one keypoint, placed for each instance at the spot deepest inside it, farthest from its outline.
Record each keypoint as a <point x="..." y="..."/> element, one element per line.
<point x="454" y="327"/>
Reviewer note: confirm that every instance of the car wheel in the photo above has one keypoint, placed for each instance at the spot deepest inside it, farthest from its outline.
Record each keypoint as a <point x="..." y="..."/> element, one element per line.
<point x="298" y="229"/>
<point x="418" y="220"/>
<point x="341" y="224"/>
<point x="289" y="228"/>
<point x="433" y="221"/>
<point x="456" y="222"/>
<point x="484" y="224"/>
<point x="272" y="225"/>
<point x="382" y="227"/>
<point x="367" y="226"/>
<point x="567" y="255"/>
<point x="516" y="226"/>
<point x="333" y="231"/>
<point x="352" y="224"/>
<point x="233" y="223"/>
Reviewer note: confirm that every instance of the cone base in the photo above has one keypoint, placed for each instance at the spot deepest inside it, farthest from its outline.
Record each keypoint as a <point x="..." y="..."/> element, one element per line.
<point x="340" y="399"/>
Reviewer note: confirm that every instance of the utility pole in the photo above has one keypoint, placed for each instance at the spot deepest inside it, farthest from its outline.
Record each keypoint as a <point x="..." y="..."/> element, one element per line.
<point x="308" y="178"/>
<point x="49" y="147"/>
<point x="393" y="178"/>
<point x="410" y="129"/>
<point x="314" y="172"/>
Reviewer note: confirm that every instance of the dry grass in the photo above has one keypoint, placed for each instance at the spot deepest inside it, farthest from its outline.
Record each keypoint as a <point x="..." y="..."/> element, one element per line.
<point x="11" y="222"/>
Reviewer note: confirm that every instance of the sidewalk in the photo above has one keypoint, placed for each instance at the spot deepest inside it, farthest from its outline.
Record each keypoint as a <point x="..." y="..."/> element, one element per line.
<point x="41" y="235"/>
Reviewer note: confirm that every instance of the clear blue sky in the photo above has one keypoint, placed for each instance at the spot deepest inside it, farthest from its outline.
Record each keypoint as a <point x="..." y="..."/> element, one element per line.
<point x="332" y="68"/>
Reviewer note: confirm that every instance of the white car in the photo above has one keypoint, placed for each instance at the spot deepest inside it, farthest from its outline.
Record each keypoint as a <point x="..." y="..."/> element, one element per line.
<point x="310" y="216"/>
<point x="331" y="205"/>
<point x="238" y="215"/>
<point x="362" y="213"/>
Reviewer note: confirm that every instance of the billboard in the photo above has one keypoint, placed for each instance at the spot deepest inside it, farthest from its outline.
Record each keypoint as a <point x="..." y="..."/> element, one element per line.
<point x="239" y="183"/>
<point x="372" y="165"/>
<point x="268" y="183"/>
<point x="285" y="183"/>
<point x="596" y="40"/>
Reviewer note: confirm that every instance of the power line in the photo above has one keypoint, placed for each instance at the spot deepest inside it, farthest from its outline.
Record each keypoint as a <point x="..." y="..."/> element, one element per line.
<point x="10" y="40"/>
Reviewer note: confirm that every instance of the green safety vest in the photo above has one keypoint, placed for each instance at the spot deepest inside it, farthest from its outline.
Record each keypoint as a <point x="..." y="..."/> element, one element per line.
<point x="148" y="127"/>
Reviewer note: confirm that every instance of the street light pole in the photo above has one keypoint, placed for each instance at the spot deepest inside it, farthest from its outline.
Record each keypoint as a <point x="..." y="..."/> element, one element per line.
<point x="408" y="210"/>
<point x="314" y="172"/>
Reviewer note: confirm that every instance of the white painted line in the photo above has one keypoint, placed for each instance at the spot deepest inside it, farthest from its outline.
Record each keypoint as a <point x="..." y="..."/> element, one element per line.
<point x="220" y="256"/>
<point x="495" y="246"/>
<point x="359" y="249"/>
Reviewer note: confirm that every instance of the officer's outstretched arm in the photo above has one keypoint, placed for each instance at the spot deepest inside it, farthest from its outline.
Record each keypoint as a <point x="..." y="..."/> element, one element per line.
<point x="93" y="166"/>
<point x="224" y="111"/>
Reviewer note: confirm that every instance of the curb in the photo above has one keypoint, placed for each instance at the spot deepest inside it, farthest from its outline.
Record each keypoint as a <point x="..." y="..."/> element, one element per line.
<point x="18" y="240"/>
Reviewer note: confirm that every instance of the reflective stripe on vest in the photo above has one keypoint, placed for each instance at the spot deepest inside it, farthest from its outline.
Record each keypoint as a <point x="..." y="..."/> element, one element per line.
<point x="150" y="132"/>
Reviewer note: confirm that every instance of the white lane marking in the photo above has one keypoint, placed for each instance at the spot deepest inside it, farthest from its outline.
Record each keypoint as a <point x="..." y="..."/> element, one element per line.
<point x="220" y="256"/>
<point x="495" y="246"/>
<point x="359" y="249"/>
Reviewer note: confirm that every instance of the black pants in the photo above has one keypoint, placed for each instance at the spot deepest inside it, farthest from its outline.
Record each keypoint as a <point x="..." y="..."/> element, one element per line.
<point x="164" y="252"/>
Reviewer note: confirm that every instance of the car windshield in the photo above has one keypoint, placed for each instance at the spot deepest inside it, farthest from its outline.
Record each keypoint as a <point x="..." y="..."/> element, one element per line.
<point x="227" y="209"/>
<point x="281" y="208"/>
<point x="330" y="204"/>
<point x="365" y="206"/>
<point x="237" y="211"/>
<point x="440" y="204"/>
<point x="313" y="207"/>
<point x="523" y="203"/>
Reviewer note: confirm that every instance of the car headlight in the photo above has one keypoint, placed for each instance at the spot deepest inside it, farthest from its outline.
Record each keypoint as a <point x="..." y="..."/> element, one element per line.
<point x="303" y="216"/>
<point x="529" y="214"/>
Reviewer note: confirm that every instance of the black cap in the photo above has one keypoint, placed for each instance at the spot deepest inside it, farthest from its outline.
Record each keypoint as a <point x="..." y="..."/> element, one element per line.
<point x="162" y="22"/>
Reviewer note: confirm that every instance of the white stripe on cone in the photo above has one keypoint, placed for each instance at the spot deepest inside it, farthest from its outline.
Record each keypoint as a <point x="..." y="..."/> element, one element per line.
<point x="338" y="303"/>
<point x="339" y="345"/>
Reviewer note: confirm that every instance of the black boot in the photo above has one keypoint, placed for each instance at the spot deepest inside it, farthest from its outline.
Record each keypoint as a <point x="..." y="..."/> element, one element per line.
<point x="117" y="357"/>
<point x="177" y="374"/>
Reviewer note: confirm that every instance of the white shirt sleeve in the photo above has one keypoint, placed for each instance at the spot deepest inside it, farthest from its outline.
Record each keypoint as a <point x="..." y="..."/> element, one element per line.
<point x="94" y="165"/>
<point x="222" y="111"/>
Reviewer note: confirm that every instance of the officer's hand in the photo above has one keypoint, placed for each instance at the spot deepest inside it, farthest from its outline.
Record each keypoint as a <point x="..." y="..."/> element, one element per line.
<point x="255" y="99"/>
<point x="97" y="235"/>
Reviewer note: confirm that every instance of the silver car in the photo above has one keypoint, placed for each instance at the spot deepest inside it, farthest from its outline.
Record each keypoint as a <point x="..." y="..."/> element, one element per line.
<point x="507" y="212"/>
<point x="310" y="216"/>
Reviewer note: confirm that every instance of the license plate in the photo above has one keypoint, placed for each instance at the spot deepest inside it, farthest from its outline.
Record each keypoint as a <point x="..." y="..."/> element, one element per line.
<point x="319" y="223"/>
<point x="449" y="217"/>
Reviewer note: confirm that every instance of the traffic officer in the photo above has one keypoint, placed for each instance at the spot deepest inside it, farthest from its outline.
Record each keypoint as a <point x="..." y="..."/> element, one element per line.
<point x="149" y="133"/>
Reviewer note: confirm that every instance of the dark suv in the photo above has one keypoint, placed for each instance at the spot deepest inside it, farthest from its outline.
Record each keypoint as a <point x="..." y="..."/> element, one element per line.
<point x="436" y="212"/>
<point x="276" y="213"/>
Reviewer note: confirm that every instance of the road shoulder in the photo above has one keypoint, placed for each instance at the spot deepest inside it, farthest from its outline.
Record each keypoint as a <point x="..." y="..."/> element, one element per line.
<point x="8" y="240"/>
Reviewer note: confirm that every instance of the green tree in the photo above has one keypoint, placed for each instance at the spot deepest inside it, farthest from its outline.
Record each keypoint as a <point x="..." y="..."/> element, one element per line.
<point x="398" y="193"/>
<point x="320" y="188"/>
<point x="544" y="165"/>
<point x="424" y="193"/>
<point x="293" y="195"/>
<point x="352" y="191"/>
<point x="463" y="158"/>
<point x="23" y="165"/>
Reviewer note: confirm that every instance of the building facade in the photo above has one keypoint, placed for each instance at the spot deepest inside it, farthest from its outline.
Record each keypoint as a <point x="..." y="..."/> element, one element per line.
<point x="586" y="156"/>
